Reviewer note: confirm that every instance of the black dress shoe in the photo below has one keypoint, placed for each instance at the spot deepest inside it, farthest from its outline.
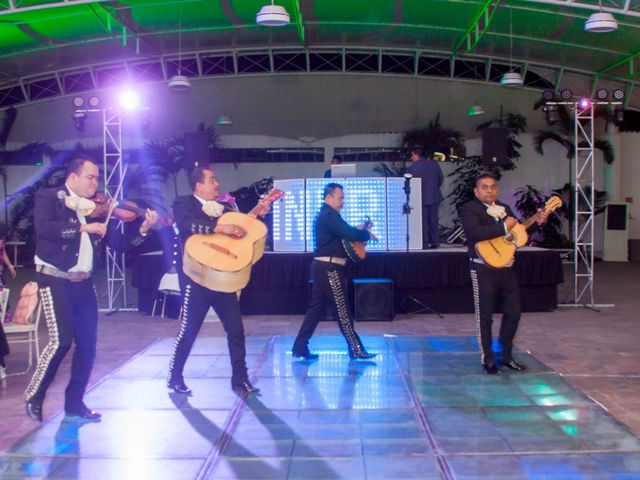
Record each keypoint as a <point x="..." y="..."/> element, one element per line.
<point x="179" y="387"/>
<point x="306" y="355"/>
<point x="490" y="368"/>
<point x="85" y="414"/>
<point x="245" y="389"/>
<point x="513" y="365"/>
<point x="363" y="355"/>
<point x="34" y="409"/>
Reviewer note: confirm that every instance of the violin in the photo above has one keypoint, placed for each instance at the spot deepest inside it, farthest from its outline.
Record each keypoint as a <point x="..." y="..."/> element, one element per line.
<point x="100" y="205"/>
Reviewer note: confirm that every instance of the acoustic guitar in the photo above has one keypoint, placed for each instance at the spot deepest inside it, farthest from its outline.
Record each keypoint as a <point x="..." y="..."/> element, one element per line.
<point x="356" y="250"/>
<point x="222" y="262"/>
<point x="498" y="252"/>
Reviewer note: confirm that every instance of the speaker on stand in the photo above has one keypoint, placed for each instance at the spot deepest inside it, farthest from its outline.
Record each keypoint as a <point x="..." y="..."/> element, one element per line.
<point x="495" y="143"/>
<point x="196" y="150"/>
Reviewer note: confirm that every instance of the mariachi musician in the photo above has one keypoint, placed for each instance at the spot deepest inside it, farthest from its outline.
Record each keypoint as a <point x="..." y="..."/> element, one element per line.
<point x="198" y="214"/>
<point x="66" y="245"/>
<point x="484" y="218"/>
<point x="327" y="273"/>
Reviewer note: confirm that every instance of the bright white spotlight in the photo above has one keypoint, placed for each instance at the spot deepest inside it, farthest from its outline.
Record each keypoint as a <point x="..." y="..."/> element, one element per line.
<point x="129" y="100"/>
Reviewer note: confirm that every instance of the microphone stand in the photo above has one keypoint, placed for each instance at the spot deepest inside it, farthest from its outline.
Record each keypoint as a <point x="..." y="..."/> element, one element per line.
<point x="406" y="210"/>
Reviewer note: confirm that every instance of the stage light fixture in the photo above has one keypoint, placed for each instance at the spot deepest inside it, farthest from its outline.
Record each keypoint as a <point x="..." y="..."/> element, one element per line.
<point x="584" y="103"/>
<point x="129" y="100"/>
<point x="618" y="94"/>
<point x="94" y="101"/>
<point x="618" y="115"/>
<point x="548" y="95"/>
<point x="566" y="94"/>
<point x="78" y="102"/>
<point x="273" y="16"/>
<point x="602" y="94"/>
<point x="78" y="120"/>
<point x="551" y="114"/>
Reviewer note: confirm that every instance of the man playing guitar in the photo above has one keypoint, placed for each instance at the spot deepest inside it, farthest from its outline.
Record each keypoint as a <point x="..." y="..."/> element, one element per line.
<point x="327" y="273"/>
<point x="485" y="218"/>
<point x="198" y="214"/>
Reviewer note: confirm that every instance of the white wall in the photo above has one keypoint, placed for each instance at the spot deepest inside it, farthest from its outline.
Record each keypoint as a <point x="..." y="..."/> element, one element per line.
<point x="337" y="111"/>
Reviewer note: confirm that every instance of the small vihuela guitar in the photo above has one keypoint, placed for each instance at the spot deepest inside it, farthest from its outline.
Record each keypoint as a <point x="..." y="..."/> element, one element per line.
<point x="223" y="263"/>
<point x="498" y="252"/>
<point x="356" y="250"/>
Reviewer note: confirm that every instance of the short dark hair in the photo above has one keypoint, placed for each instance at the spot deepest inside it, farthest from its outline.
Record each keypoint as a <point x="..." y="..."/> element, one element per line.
<point x="418" y="150"/>
<point x="76" y="162"/>
<point x="329" y="188"/>
<point x="197" y="176"/>
<point x="484" y="175"/>
<point x="337" y="157"/>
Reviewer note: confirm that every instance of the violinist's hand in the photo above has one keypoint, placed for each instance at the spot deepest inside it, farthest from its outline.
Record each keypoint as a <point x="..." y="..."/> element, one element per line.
<point x="150" y="219"/>
<point x="97" y="228"/>
<point x="373" y="237"/>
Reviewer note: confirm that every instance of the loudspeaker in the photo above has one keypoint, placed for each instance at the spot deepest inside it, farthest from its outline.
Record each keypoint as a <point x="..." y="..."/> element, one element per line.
<point x="373" y="299"/>
<point x="196" y="150"/>
<point x="494" y="146"/>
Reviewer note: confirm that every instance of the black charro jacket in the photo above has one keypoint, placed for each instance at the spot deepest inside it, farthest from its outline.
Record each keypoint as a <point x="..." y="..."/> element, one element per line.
<point x="478" y="225"/>
<point x="58" y="231"/>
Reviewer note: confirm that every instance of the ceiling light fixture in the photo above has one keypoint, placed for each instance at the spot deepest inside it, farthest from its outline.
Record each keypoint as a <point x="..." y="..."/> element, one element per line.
<point x="475" y="110"/>
<point x="179" y="82"/>
<point x="511" y="78"/>
<point x="273" y="16"/>
<point x="224" y="120"/>
<point x="601" y="22"/>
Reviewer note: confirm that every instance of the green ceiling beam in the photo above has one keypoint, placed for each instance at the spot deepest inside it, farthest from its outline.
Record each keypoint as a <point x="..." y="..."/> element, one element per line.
<point x="298" y="17"/>
<point x="475" y="32"/>
<point x="628" y="58"/>
<point x="127" y="24"/>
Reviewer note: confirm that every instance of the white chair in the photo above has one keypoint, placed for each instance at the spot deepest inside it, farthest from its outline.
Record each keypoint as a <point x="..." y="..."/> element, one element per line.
<point x="4" y="299"/>
<point x="20" y="333"/>
<point x="169" y="285"/>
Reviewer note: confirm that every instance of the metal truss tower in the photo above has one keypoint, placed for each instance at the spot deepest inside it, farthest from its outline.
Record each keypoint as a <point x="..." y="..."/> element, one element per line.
<point x="583" y="206"/>
<point x="113" y="173"/>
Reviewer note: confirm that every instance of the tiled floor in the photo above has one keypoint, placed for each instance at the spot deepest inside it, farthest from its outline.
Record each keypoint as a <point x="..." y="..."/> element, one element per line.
<point x="422" y="409"/>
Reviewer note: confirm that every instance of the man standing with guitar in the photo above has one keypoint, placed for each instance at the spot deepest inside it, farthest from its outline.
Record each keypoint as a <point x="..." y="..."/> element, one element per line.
<point x="327" y="273"/>
<point x="486" y="218"/>
<point x="198" y="214"/>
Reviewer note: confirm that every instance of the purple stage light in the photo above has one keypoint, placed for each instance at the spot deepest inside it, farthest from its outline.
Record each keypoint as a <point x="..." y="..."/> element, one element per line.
<point x="584" y="103"/>
<point x="129" y="100"/>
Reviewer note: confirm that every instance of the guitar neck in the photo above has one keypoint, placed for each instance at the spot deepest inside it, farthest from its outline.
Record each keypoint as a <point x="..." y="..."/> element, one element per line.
<point x="257" y="210"/>
<point x="529" y="221"/>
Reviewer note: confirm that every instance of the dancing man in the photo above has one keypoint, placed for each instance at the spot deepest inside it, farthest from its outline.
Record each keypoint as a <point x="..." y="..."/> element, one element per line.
<point x="327" y="273"/>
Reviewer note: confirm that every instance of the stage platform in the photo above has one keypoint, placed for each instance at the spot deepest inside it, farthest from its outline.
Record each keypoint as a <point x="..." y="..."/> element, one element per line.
<point x="421" y="410"/>
<point x="438" y="278"/>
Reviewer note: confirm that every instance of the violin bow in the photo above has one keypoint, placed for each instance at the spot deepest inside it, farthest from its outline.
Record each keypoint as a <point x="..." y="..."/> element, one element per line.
<point x="116" y="195"/>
